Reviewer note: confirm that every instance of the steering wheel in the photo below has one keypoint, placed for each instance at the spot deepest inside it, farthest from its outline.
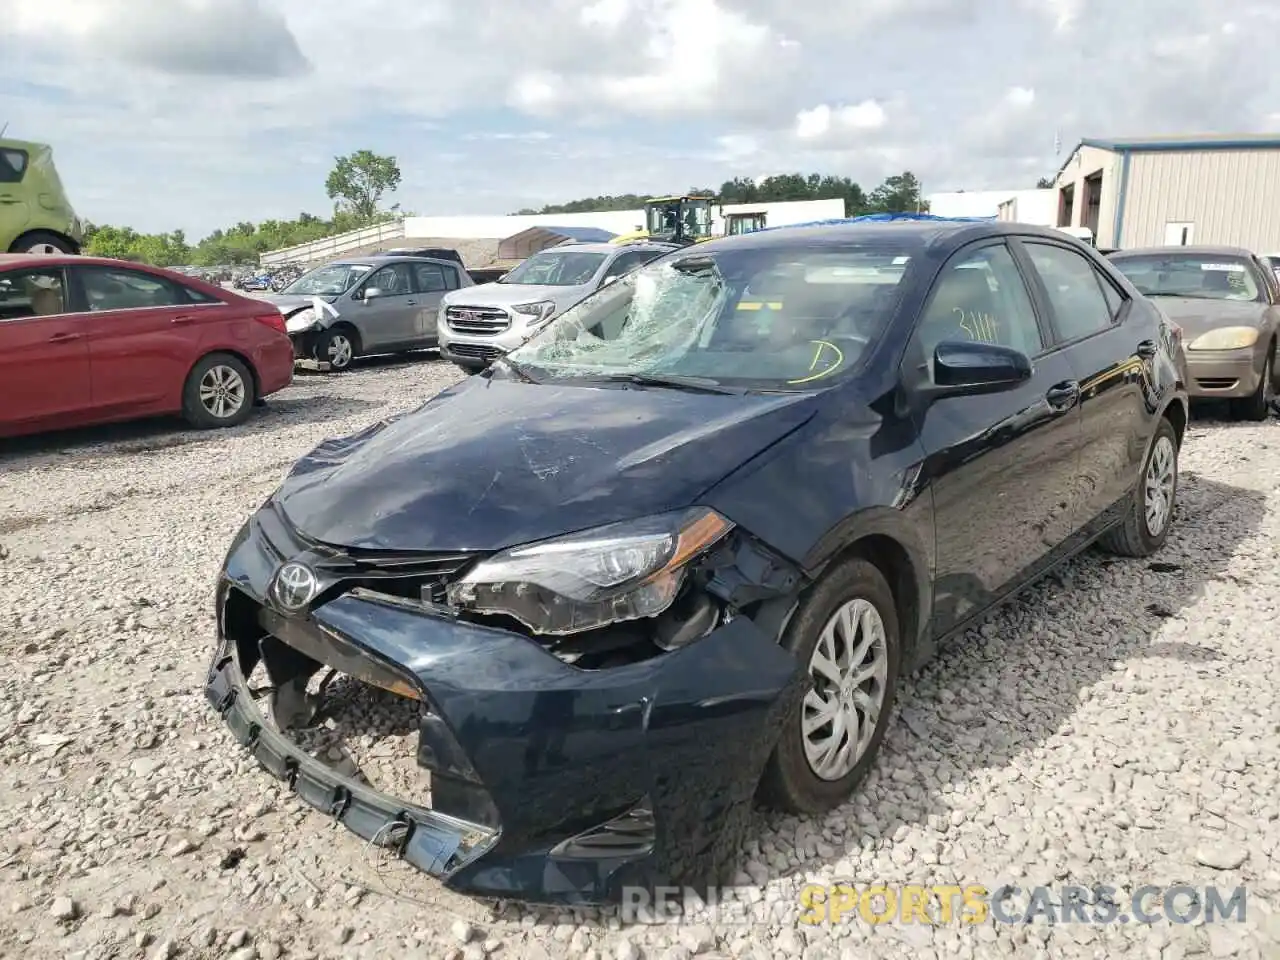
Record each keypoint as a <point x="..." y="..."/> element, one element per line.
<point x="822" y="349"/>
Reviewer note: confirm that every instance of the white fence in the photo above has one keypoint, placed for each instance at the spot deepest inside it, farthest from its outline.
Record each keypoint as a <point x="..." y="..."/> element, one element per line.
<point x="335" y="246"/>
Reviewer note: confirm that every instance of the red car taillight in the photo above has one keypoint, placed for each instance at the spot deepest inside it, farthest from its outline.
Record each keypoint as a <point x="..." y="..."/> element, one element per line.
<point x="273" y="320"/>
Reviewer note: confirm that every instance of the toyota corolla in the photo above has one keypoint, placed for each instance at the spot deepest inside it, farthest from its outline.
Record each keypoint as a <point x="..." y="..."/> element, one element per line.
<point x="674" y="554"/>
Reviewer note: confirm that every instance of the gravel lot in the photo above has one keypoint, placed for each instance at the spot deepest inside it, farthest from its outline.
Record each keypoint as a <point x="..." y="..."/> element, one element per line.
<point x="1119" y="725"/>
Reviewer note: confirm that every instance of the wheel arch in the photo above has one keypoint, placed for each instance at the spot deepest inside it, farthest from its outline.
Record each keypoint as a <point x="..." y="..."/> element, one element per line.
<point x="884" y="538"/>
<point x="1176" y="413"/>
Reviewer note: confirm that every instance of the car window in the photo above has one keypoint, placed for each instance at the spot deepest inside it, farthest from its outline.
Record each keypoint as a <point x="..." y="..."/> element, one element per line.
<point x="394" y="280"/>
<point x="109" y="288"/>
<point x="981" y="296"/>
<point x="451" y="278"/>
<point x="32" y="293"/>
<point x="1115" y="299"/>
<point x="430" y="278"/>
<point x="197" y="296"/>
<point x="1196" y="276"/>
<point x="1074" y="289"/>
<point x="627" y="262"/>
<point x="13" y="165"/>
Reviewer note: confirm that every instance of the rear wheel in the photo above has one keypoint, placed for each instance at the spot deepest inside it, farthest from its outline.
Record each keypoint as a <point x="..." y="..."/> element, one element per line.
<point x="846" y="634"/>
<point x="1257" y="406"/>
<point x="337" y="346"/>
<point x="218" y="393"/>
<point x="1146" y="525"/>
<point x="41" y="241"/>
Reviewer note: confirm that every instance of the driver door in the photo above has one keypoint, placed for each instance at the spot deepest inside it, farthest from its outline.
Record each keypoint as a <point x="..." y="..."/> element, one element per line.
<point x="389" y="320"/>
<point x="1002" y="467"/>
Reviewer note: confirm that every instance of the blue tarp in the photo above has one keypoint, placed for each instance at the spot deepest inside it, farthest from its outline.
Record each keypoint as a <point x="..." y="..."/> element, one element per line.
<point x="880" y="218"/>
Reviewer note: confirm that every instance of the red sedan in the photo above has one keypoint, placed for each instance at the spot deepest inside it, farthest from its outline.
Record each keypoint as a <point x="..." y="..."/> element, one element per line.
<point x="86" y="340"/>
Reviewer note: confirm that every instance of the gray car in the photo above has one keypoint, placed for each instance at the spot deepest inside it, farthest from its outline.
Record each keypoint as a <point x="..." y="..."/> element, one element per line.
<point x="1226" y="301"/>
<point x="367" y="305"/>
<point x="479" y="324"/>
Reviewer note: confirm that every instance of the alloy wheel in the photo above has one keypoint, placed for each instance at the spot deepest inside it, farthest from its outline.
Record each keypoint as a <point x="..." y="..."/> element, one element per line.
<point x="1158" y="485"/>
<point x="44" y="248"/>
<point x="339" y="351"/>
<point x="222" y="391"/>
<point x="849" y="669"/>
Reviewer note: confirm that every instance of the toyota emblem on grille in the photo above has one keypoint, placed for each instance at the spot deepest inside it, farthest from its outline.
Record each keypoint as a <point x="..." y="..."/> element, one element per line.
<point x="295" y="586"/>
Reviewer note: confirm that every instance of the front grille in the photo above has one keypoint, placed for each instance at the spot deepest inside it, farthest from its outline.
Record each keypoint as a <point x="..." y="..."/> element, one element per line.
<point x="482" y="320"/>
<point x="407" y="575"/>
<point x="474" y="351"/>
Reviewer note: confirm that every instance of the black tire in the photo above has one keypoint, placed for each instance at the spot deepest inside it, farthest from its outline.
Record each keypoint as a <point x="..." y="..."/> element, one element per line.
<point x="1132" y="537"/>
<point x="197" y="408"/>
<point x="30" y="242"/>
<point x="1257" y="406"/>
<point x="789" y="782"/>
<point x="327" y="348"/>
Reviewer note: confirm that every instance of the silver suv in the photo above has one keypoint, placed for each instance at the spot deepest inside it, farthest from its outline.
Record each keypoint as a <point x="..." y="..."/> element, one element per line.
<point x="480" y="323"/>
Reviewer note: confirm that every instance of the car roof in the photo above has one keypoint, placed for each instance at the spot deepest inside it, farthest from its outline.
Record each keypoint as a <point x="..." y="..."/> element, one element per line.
<point x="940" y="234"/>
<point x="586" y="246"/>
<point x="1194" y="250"/>
<point x="11" y="260"/>
<point x="376" y="258"/>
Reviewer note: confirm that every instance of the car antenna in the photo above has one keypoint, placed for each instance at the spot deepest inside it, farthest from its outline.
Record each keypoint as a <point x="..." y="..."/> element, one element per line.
<point x="4" y="128"/>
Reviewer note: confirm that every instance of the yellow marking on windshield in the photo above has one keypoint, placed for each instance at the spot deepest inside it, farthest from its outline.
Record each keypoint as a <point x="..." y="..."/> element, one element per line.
<point x="817" y="354"/>
<point x="759" y="304"/>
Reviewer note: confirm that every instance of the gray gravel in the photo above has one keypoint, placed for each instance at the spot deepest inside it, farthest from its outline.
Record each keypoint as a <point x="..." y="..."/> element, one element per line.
<point x="1119" y="725"/>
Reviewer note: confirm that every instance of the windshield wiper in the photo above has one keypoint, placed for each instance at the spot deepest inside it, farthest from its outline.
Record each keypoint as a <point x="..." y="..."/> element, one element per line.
<point x="675" y="382"/>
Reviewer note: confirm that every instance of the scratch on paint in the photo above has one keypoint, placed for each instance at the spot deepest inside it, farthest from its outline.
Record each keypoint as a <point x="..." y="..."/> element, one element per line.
<point x="496" y="475"/>
<point x="541" y="471"/>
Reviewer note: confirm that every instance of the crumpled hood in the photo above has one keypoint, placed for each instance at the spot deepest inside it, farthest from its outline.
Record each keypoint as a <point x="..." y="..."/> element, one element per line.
<point x="509" y="294"/>
<point x="493" y="463"/>
<point x="1198" y="316"/>
<point x="288" y="305"/>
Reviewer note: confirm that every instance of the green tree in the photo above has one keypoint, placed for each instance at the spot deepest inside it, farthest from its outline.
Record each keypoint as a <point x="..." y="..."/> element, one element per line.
<point x="898" y="194"/>
<point x="358" y="181"/>
<point x="1044" y="183"/>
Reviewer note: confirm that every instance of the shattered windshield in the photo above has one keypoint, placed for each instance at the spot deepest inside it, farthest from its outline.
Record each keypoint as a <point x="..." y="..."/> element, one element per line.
<point x="327" y="281"/>
<point x="1198" y="276"/>
<point x="763" y="318"/>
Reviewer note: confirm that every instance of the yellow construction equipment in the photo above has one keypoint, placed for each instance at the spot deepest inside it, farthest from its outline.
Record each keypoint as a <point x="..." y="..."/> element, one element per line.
<point x="675" y="220"/>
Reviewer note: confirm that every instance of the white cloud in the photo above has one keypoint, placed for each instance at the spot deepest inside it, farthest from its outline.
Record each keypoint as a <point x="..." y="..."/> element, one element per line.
<point x="194" y="113"/>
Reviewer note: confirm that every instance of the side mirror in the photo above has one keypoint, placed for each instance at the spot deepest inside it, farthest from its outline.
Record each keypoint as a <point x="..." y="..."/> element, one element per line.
<point x="371" y="293"/>
<point x="970" y="367"/>
<point x="609" y="280"/>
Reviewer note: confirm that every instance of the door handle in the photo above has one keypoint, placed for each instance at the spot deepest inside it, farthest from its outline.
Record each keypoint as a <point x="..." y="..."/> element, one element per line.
<point x="64" y="337"/>
<point x="179" y="321"/>
<point x="1063" y="396"/>
<point x="1146" y="349"/>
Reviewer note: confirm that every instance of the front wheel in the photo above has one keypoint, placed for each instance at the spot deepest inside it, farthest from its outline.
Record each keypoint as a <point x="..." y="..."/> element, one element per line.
<point x="1145" y="527"/>
<point x="846" y="633"/>
<point x="41" y="241"/>
<point x="336" y="348"/>
<point x="218" y="393"/>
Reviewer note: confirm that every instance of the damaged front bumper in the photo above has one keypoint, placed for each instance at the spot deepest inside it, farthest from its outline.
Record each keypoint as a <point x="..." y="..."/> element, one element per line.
<point x="549" y="783"/>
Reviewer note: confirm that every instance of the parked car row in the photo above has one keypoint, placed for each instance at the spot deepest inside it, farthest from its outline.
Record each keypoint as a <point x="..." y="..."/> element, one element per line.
<point x="591" y="567"/>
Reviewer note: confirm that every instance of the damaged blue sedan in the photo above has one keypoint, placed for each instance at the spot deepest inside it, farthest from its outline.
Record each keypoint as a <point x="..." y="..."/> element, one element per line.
<point x="674" y="555"/>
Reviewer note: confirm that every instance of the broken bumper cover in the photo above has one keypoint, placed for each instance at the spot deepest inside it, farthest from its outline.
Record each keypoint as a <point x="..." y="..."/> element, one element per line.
<point x="549" y="783"/>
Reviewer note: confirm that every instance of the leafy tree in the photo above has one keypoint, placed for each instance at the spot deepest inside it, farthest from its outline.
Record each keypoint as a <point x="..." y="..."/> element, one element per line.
<point x="1044" y="183"/>
<point x="898" y="194"/>
<point x="358" y="181"/>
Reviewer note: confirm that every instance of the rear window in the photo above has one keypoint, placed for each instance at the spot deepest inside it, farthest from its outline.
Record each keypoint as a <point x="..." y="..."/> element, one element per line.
<point x="1196" y="276"/>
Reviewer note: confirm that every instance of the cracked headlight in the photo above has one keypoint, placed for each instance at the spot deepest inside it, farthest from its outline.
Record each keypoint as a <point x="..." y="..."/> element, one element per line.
<point x="623" y="571"/>
<point x="301" y="321"/>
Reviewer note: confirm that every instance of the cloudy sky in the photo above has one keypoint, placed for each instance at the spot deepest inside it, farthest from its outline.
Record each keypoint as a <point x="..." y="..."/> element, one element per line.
<point x="197" y="113"/>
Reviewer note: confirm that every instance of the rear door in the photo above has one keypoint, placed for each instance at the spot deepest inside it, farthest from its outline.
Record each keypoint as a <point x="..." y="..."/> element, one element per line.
<point x="1001" y="466"/>
<point x="1110" y="346"/>
<point x="431" y="281"/>
<point x="389" y="320"/>
<point x="143" y="333"/>
<point x="44" y="353"/>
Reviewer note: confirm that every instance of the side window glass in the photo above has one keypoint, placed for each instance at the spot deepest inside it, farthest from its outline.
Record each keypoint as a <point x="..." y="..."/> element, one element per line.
<point x="393" y="280"/>
<point x="13" y="165"/>
<point x="195" y="296"/>
<point x="106" y="288"/>
<point x="625" y="264"/>
<point x="1074" y="290"/>
<point x="430" y="278"/>
<point x="981" y="296"/>
<point x="32" y="293"/>
<point x="1113" y="297"/>
<point x="451" y="278"/>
